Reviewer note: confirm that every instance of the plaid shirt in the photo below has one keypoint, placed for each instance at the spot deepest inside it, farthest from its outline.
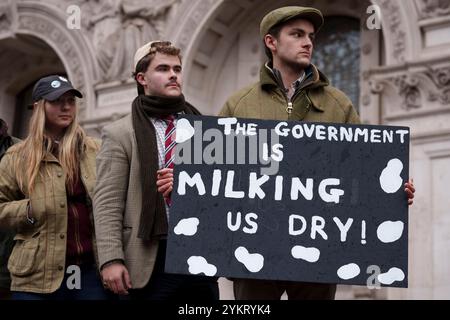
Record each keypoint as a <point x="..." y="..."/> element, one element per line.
<point x="295" y="86"/>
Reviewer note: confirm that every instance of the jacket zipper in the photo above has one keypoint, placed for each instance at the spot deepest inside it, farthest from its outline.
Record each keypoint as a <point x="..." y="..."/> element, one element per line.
<point x="296" y="94"/>
<point x="290" y="105"/>
<point x="289" y="108"/>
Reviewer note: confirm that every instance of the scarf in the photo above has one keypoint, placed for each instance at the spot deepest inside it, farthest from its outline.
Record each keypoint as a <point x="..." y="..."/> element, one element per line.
<point x="153" y="222"/>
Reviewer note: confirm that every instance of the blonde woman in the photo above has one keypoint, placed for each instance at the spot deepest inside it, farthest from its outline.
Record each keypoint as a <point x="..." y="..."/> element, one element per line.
<point x="46" y="183"/>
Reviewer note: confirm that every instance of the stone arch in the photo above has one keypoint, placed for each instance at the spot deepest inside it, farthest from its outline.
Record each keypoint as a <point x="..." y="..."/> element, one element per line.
<point x="44" y="22"/>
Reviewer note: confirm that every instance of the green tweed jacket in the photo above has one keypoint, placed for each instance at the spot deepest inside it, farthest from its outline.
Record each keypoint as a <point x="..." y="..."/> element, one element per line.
<point x="315" y="101"/>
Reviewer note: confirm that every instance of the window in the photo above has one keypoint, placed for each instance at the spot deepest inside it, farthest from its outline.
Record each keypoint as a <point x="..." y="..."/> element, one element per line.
<point x="337" y="54"/>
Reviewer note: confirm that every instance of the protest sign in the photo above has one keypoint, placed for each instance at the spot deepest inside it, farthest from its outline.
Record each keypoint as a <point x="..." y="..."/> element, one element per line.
<point x="293" y="201"/>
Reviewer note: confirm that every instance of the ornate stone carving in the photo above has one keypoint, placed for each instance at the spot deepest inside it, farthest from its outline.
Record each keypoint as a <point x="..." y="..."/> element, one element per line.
<point x="433" y="8"/>
<point x="190" y="26"/>
<point x="408" y="88"/>
<point x="367" y="49"/>
<point x="8" y="18"/>
<point x="441" y="79"/>
<point x="414" y="89"/>
<point x="67" y="50"/>
<point x="54" y="34"/>
<point x="393" y="21"/>
<point x="120" y="27"/>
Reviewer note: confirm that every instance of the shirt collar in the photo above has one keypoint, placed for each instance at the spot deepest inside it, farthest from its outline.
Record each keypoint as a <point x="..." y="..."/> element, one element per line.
<point x="296" y="84"/>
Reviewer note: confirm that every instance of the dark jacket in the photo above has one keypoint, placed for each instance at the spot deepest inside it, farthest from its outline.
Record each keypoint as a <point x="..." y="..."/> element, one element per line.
<point x="6" y="237"/>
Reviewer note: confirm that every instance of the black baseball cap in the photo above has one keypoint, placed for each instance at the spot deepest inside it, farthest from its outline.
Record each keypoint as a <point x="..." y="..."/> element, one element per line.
<point x="52" y="87"/>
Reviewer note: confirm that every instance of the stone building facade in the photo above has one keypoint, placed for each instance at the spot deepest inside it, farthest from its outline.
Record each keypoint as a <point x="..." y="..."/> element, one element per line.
<point x="398" y="74"/>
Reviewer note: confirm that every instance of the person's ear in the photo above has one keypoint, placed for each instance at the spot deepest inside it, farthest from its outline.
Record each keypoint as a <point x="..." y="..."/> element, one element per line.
<point x="140" y="77"/>
<point x="270" y="42"/>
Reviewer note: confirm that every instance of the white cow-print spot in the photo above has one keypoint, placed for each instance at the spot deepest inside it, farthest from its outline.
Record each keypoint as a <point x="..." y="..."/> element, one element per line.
<point x="187" y="227"/>
<point x="184" y="131"/>
<point x="390" y="231"/>
<point x="348" y="271"/>
<point x="198" y="264"/>
<point x="254" y="262"/>
<point x="307" y="254"/>
<point x="394" y="274"/>
<point x="390" y="179"/>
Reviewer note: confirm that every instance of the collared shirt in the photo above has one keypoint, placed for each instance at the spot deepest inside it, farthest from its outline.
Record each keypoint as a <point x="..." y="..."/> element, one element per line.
<point x="160" y="128"/>
<point x="295" y="85"/>
<point x="290" y="92"/>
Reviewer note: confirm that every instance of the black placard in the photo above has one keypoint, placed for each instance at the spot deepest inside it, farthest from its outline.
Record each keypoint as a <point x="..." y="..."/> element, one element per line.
<point x="293" y="201"/>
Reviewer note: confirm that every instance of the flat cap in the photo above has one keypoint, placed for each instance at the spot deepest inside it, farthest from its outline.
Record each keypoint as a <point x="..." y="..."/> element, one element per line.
<point x="284" y="14"/>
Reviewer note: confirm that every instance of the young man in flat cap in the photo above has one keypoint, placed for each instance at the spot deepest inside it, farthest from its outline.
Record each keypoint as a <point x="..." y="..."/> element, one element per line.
<point x="134" y="183"/>
<point x="291" y="88"/>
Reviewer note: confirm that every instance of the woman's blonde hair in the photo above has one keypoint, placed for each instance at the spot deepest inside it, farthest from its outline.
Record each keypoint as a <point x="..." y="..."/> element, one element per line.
<point x="30" y="153"/>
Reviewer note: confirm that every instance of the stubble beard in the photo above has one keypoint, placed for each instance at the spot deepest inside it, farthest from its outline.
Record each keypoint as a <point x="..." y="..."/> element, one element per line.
<point x="298" y="66"/>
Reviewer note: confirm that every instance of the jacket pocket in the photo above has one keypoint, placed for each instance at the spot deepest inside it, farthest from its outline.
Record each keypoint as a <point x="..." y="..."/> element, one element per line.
<point x="22" y="261"/>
